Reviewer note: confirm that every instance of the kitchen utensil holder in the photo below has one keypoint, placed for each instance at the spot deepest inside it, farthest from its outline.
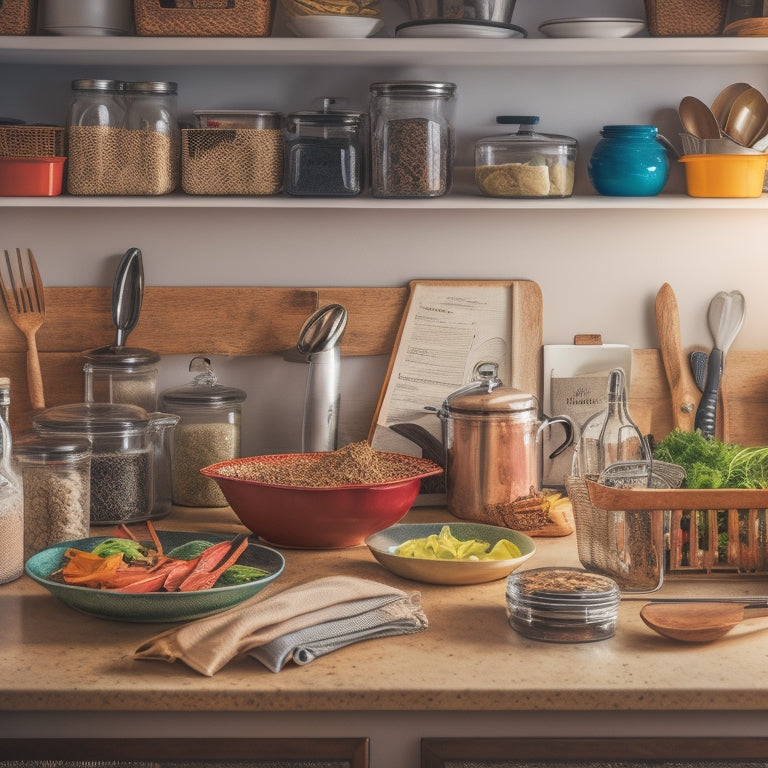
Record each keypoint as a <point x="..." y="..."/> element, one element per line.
<point x="224" y="161"/>
<point x="685" y="18"/>
<point x="728" y="528"/>
<point x="236" y="18"/>
<point x="31" y="141"/>
<point x="17" y="17"/>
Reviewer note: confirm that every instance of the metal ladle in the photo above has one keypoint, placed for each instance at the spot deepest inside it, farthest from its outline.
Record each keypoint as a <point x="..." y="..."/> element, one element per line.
<point x="319" y="345"/>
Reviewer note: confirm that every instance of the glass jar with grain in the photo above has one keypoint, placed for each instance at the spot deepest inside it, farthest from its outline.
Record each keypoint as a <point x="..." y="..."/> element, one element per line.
<point x="130" y="464"/>
<point x="56" y="476"/>
<point x="126" y="375"/>
<point x="412" y="141"/>
<point x="208" y="432"/>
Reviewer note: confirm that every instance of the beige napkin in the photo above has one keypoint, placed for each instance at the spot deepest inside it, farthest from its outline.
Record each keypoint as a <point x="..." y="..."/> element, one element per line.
<point x="300" y="623"/>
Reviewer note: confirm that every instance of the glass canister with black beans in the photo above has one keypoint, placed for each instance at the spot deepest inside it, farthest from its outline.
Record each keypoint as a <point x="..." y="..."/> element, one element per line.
<point x="412" y="141"/>
<point x="325" y="152"/>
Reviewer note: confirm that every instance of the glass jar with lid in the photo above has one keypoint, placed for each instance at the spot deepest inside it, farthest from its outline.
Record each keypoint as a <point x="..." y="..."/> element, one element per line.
<point x="56" y="476"/>
<point x="326" y="152"/>
<point x="125" y="375"/>
<point x="152" y="142"/>
<point x="526" y="163"/>
<point x="130" y="459"/>
<point x="95" y="123"/>
<point x="412" y="141"/>
<point x="208" y="432"/>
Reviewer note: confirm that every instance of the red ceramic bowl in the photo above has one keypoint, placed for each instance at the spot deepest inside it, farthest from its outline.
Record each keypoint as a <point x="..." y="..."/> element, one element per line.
<point x="318" y="518"/>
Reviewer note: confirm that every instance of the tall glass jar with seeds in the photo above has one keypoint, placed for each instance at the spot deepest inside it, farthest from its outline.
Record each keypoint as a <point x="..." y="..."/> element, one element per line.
<point x="56" y="476"/>
<point x="95" y="127"/>
<point x="122" y="375"/>
<point x="412" y="141"/>
<point x="130" y="474"/>
<point x="208" y="431"/>
<point x="151" y="143"/>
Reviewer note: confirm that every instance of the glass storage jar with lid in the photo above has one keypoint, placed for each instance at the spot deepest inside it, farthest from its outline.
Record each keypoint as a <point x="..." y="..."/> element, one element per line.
<point x="525" y="164"/>
<point x="56" y="476"/>
<point x="152" y="141"/>
<point x="11" y="500"/>
<point x="95" y="125"/>
<point x="130" y="462"/>
<point x="412" y="141"/>
<point x="208" y="432"/>
<point x="125" y="375"/>
<point x="325" y="152"/>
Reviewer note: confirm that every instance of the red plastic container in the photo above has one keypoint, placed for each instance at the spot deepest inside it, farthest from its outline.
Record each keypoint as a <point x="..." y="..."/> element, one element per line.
<point x="31" y="176"/>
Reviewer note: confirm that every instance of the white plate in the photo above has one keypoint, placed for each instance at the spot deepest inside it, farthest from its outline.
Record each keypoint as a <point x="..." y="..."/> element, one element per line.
<point x="458" y="28"/>
<point x="321" y="25"/>
<point x="592" y="27"/>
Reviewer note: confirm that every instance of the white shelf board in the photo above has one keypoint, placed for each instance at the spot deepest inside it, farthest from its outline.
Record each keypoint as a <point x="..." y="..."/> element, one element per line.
<point x="287" y="51"/>
<point x="447" y="202"/>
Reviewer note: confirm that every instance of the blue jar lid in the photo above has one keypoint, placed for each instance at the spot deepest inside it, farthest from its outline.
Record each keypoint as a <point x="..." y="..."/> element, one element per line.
<point x="630" y="131"/>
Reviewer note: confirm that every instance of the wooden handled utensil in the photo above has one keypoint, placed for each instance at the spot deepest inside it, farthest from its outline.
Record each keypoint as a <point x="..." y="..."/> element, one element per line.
<point x="699" y="622"/>
<point x="22" y="290"/>
<point x="685" y="394"/>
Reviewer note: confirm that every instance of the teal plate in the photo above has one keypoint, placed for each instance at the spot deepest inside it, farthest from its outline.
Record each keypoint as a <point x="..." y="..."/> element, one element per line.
<point x="154" y="607"/>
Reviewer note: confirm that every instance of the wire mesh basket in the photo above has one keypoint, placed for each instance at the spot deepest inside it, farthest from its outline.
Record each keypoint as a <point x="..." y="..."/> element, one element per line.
<point x="31" y="141"/>
<point x="637" y="535"/>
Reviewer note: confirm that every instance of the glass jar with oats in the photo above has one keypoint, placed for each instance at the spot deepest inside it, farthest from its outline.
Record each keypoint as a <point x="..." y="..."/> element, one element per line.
<point x="208" y="431"/>
<point x="525" y="164"/>
<point x="412" y="141"/>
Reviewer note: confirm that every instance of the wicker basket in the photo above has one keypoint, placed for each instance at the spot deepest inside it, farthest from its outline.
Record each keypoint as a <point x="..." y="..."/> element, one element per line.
<point x="641" y="534"/>
<point x="685" y="18"/>
<point x="31" y="141"/>
<point x="241" y="161"/>
<point x="17" y="17"/>
<point x="204" y="18"/>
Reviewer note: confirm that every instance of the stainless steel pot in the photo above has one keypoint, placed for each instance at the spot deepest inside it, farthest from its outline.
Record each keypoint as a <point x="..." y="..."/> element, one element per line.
<point x="492" y="447"/>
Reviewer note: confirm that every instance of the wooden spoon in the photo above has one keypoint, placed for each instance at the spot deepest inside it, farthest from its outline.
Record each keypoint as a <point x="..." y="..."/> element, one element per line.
<point x="698" y="622"/>
<point x="748" y="117"/>
<point x="697" y="118"/>
<point x="723" y="102"/>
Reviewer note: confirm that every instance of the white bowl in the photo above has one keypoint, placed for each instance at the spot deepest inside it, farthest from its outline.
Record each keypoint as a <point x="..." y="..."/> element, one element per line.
<point x="321" y="25"/>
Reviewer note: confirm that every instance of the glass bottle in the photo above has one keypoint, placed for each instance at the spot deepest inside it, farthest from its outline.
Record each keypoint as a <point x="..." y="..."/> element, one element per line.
<point x="629" y="160"/>
<point x="11" y="503"/>
<point x="412" y="142"/>
<point x="208" y="431"/>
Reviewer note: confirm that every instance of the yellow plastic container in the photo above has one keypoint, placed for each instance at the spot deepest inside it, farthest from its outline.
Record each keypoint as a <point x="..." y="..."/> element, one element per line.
<point x="725" y="175"/>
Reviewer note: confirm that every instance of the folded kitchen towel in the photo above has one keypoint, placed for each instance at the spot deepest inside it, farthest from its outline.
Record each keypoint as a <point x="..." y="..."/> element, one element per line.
<point x="299" y="623"/>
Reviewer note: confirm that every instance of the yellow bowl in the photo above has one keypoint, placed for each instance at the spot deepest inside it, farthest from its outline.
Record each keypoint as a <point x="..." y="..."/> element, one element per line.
<point x="725" y="175"/>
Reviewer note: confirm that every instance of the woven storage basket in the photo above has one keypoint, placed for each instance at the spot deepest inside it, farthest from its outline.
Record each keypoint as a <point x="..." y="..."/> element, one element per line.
<point x="684" y="532"/>
<point x="204" y="18"/>
<point x="31" y="141"/>
<point x="17" y="17"/>
<point x="241" y="161"/>
<point x="683" y="18"/>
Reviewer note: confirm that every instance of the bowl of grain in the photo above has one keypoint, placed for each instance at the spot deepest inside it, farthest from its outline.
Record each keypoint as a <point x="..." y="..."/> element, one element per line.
<point x="327" y="500"/>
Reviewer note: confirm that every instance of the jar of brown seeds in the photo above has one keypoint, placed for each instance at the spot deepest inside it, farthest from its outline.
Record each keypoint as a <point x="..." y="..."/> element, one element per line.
<point x="412" y="142"/>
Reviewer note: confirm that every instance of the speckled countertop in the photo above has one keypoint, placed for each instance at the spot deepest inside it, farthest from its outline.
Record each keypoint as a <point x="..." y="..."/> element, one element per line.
<point x="468" y="658"/>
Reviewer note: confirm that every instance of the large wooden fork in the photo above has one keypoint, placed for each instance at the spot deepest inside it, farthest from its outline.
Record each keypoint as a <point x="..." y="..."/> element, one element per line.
<point x="23" y="294"/>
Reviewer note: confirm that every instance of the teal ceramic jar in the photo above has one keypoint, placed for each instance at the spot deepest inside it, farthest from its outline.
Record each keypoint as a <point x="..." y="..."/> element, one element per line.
<point x="629" y="161"/>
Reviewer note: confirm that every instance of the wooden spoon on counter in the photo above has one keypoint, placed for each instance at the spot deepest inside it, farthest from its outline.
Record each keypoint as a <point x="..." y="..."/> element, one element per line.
<point x="698" y="622"/>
